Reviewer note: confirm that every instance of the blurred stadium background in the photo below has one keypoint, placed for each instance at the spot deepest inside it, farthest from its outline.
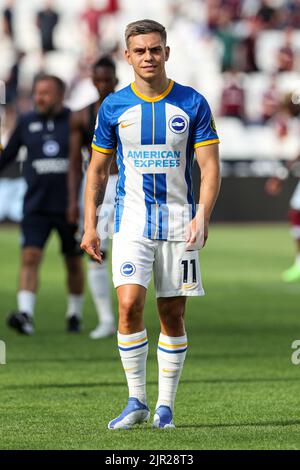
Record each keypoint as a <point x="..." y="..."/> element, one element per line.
<point x="244" y="56"/>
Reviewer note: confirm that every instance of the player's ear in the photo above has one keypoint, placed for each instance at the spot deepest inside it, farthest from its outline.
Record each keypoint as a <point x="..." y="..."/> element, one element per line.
<point x="167" y="49"/>
<point x="127" y="57"/>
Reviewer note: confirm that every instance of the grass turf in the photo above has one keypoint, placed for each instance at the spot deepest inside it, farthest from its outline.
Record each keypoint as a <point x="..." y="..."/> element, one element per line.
<point x="239" y="389"/>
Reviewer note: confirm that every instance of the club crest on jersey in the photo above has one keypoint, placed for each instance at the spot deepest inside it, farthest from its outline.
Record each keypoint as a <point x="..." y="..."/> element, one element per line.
<point x="51" y="148"/>
<point x="213" y="124"/>
<point x="178" y="124"/>
<point x="128" y="269"/>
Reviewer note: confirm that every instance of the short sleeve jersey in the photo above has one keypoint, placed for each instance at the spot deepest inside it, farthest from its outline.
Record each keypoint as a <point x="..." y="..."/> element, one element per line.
<point x="155" y="140"/>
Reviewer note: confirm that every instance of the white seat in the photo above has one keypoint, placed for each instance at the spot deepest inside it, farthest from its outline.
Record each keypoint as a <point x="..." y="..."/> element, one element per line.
<point x="233" y="138"/>
<point x="267" y="45"/>
<point x="255" y="85"/>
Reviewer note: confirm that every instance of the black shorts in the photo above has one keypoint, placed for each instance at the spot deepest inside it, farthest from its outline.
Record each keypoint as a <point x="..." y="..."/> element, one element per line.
<point x="36" y="228"/>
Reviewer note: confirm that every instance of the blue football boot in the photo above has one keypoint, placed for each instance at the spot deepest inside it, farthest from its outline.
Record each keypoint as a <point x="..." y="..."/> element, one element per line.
<point x="134" y="413"/>
<point x="163" y="418"/>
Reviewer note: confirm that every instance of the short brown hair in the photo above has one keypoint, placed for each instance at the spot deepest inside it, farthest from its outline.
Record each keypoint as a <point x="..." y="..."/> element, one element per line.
<point x="145" y="27"/>
<point x="45" y="77"/>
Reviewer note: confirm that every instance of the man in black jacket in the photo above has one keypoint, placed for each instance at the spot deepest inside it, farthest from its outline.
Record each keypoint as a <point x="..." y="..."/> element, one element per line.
<point x="45" y="134"/>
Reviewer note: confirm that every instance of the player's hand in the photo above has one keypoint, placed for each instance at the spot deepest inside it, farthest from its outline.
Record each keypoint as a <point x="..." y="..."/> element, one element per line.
<point x="91" y="245"/>
<point x="196" y="234"/>
<point x="273" y="186"/>
<point x="73" y="213"/>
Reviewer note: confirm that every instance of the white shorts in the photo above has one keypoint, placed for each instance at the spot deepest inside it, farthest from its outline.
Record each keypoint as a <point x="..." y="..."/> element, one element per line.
<point x="176" y="271"/>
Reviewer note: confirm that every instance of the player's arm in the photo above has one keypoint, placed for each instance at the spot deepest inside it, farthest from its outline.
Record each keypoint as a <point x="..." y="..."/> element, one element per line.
<point x="75" y="167"/>
<point x="208" y="160"/>
<point x="97" y="177"/>
<point x="10" y="152"/>
<point x="274" y="184"/>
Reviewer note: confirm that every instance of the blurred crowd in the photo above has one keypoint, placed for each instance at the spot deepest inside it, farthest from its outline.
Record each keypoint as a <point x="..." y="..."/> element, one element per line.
<point x="242" y="54"/>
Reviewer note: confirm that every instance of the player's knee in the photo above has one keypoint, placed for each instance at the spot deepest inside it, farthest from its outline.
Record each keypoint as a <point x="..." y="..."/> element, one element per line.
<point x="172" y="313"/>
<point x="130" y="310"/>
<point x="31" y="258"/>
<point x="172" y="319"/>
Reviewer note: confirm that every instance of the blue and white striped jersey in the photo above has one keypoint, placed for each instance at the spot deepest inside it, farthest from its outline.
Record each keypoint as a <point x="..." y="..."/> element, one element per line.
<point x="155" y="140"/>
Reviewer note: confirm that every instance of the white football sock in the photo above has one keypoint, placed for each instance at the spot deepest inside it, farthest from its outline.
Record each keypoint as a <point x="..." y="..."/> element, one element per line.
<point x="133" y="351"/>
<point x="171" y="354"/>
<point x="26" y="302"/>
<point x="100" y="288"/>
<point x="75" y="304"/>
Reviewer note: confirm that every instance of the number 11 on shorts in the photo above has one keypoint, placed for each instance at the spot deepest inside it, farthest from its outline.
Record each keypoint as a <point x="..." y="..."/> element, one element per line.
<point x="187" y="266"/>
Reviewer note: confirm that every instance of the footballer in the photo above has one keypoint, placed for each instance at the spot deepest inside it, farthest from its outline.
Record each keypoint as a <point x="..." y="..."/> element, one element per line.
<point x="155" y="125"/>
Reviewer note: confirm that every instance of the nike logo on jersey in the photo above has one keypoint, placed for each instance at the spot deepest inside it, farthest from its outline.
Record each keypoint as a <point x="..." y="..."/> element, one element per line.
<point x="126" y="125"/>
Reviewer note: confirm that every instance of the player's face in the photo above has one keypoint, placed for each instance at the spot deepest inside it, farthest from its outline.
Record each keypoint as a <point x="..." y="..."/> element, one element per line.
<point x="147" y="54"/>
<point x="47" y="97"/>
<point x="104" y="80"/>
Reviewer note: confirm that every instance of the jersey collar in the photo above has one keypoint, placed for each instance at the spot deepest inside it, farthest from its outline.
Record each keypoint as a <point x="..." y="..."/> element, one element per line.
<point x="157" y="98"/>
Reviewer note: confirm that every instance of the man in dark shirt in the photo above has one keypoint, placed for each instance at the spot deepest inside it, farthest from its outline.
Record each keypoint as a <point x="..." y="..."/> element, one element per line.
<point x="82" y="132"/>
<point x="45" y="134"/>
<point x="8" y="19"/>
<point x="47" y="19"/>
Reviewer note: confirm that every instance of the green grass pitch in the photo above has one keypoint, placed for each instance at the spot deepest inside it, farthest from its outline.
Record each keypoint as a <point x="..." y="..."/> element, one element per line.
<point x="239" y="388"/>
